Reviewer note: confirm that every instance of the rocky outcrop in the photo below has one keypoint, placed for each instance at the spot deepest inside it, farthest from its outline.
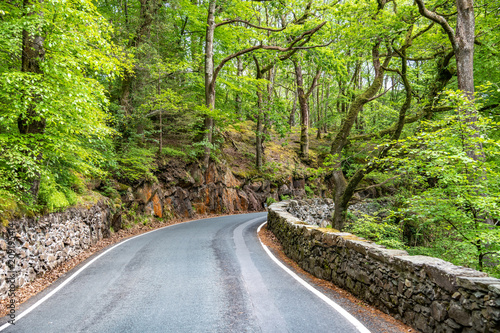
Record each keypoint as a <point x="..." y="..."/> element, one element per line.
<point x="184" y="192"/>
<point x="31" y="246"/>
<point x="429" y="294"/>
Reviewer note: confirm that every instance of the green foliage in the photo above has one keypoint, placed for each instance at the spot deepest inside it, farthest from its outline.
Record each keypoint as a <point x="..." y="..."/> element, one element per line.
<point x="71" y="196"/>
<point x="51" y="195"/>
<point x="8" y="207"/>
<point x="449" y="249"/>
<point x="309" y="191"/>
<point x="67" y="93"/>
<point x="172" y="152"/>
<point x="15" y="168"/>
<point x="270" y="201"/>
<point x="284" y="197"/>
<point x="109" y="191"/>
<point x="457" y="196"/>
<point x="136" y="163"/>
<point x="382" y="232"/>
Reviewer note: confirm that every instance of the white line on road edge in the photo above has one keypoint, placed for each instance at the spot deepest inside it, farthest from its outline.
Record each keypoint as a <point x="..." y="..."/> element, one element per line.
<point x="46" y="297"/>
<point x="59" y="287"/>
<point x="360" y="327"/>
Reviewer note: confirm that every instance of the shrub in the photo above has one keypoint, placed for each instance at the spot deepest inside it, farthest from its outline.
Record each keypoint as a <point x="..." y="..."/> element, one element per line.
<point x="50" y="197"/>
<point x="270" y="201"/>
<point x="383" y="233"/>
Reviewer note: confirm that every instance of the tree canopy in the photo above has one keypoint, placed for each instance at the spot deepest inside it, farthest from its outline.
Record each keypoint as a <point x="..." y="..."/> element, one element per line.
<point x="401" y="95"/>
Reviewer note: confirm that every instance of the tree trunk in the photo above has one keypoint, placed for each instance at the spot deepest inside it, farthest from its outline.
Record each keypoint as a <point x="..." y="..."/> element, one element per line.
<point x="209" y="82"/>
<point x="161" y="114"/>
<point x="238" y="100"/>
<point x="268" y="102"/>
<point x="31" y="123"/>
<point x="464" y="55"/>
<point x="318" y="114"/>
<point x="291" y="121"/>
<point x="259" y="132"/>
<point x="325" y="110"/>
<point x="340" y="140"/>
<point x="303" y="98"/>
<point x="464" y="49"/>
<point x="304" y="111"/>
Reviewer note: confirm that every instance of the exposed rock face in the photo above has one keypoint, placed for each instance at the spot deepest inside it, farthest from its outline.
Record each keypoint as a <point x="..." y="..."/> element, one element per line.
<point x="31" y="246"/>
<point x="427" y="293"/>
<point x="186" y="192"/>
<point x="40" y="244"/>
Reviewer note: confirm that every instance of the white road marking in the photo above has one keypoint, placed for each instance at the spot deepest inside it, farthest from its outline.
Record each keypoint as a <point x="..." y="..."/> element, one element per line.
<point x="360" y="327"/>
<point x="68" y="280"/>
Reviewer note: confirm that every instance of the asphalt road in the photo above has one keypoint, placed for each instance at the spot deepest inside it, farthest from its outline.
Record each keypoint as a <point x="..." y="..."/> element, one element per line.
<point x="210" y="275"/>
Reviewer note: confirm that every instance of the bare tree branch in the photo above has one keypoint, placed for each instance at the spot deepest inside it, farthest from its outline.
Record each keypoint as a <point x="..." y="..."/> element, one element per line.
<point x="439" y="20"/>
<point x="305" y="34"/>
<point x="249" y="24"/>
<point x="376" y="185"/>
<point x="314" y="83"/>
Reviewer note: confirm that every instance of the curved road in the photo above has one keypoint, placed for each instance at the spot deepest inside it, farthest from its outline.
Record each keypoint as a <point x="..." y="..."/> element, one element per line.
<point x="210" y="275"/>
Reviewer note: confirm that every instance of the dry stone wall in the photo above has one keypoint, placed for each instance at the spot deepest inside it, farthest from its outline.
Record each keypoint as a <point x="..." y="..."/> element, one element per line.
<point x="31" y="246"/>
<point x="426" y="293"/>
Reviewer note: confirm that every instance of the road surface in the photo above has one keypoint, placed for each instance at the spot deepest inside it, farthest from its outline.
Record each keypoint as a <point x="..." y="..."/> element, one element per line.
<point x="210" y="275"/>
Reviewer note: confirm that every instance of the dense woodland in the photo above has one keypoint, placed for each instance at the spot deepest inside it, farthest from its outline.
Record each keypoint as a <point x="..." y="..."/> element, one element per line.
<point x="398" y="96"/>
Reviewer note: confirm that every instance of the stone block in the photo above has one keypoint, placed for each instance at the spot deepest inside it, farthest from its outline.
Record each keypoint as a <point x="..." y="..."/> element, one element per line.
<point x="477" y="282"/>
<point x="459" y="314"/>
<point x="382" y="254"/>
<point x="438" y="311"/>
<point x="494" y="313"/>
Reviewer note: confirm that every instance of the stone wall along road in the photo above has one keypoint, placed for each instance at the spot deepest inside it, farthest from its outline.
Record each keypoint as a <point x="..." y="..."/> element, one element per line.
<point x="427" y="293"/>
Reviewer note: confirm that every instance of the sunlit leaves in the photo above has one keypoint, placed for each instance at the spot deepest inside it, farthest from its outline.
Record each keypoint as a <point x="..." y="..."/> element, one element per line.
<point x="67" y="93"/>
<point x="453" y="191"/>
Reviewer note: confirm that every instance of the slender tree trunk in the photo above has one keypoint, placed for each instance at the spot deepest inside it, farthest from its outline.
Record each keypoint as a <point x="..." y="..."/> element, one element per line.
<point x="318" y="114"/>
<point x="291" y="121"/>
<point x="259" y="133"/>
<point x="161" y="120"/>
<point x="464" y="55"/>
<point x="31" y="123"/>
<point x="303" y="97"/>
<point x="304" y="111"/>
<point x="209" y="82"/>
<point x="125" y="9"/>
<point x="464" y="49"/>
<point x="271" y="75"/>
<point x="325" y="108"/>
<point x="238" y="100"/>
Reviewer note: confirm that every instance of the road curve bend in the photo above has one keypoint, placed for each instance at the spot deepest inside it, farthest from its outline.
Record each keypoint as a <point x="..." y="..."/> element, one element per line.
<point x="210" y="275"/>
